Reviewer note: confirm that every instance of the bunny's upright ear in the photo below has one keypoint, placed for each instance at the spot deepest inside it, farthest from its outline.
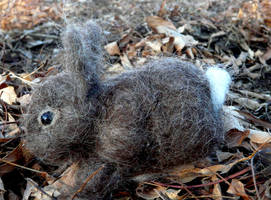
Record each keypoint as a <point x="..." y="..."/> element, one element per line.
<point x="83" y="50"/>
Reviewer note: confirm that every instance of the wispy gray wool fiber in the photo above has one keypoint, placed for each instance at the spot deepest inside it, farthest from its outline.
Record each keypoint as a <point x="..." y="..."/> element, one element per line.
<point x="143" y="121"/>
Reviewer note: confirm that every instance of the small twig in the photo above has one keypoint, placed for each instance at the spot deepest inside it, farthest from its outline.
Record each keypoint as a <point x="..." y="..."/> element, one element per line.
<point x="7" y="123"/>
<point x="206" y="184"/>
<point x="254" y="119"/>
<point x="22" y="79"/>
<point x="189" y="192"/>
<point x="23" y="167"/>
<point x="215" y="196"/>
<point x="41" y="66"/>
<point x="218" y="181"/>
<point x="10" y="106"/>
<point x="254" y="178"/>
<point x="16" y="76"/>
<point x="221" y="177"/>
<point x="86" y="181"/>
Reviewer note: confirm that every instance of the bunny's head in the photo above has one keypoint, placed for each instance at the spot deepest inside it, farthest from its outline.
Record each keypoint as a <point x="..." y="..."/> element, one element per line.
<point x="59" y="119"/>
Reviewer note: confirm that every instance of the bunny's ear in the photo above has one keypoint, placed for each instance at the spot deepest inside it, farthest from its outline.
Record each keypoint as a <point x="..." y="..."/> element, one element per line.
<point x="82" y="45"/>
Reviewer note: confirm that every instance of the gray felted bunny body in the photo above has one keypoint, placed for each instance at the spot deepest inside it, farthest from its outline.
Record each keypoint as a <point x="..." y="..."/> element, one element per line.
<point x="143" y="121"/>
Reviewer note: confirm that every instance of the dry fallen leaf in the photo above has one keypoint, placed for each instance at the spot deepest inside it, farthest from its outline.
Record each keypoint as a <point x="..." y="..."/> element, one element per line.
<point x="63" y="184"/>
<point x="159" y="25"/>
<point x="126" y="62"/>
<point x="150" y="192"/>
<point x="11" y="129"/>
<point x="232" y="119"/>
<point x="112" y="49"/>
<point x="2" y="190"/>
<point x="155" y="46"/>
<point x="12" y="157"/>
<point x="162" y="26"/>
<point x="266" y="56"/>
<point x="8" y="95"/>
<point x="237" y="188"/>
<point x="116" y="68"/>
<point x="217" y="194"/>
<point x="24" y="100"/>
<point x="187" y="175"/>
<point x="25" y="14"/>
<point x="68" y="177"/>
<point x="30" y="188"/>
<point x="259" y="137"/>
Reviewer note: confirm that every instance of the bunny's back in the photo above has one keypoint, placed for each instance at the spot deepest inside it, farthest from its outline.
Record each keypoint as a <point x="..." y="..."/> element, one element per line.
<point x="157" y="116"/>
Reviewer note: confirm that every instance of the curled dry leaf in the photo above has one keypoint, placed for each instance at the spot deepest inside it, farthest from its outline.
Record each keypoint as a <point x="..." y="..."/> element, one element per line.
<point x="221" y="156"/>
<point x="24" y="100"/>
<point x="68" y="177"/>
<point x="259" y="137"/>
<point x="237" y="188"/>
<point x="2" y="190"/>
<point x="150" y="192"/>
<point x="11" y="129"/>
<point x="217" y="194"/>
<point x="173" y="194"/>
<point x="62" y="185"/>
<point x="8" y="95"/>
<point x="125" y="62"/>
<point x="188" y="175"/>
<point x="232" y="119"/>
<point x="255" y="120"/>
<point x="12" y="157"/>
<point x="30" y="188"/>
<point x="159" y="25"/>
<point x="168" y="44"/>
<point x="116" y="68"/>
<point x="266" y="56"/>
<point x="235" y="138"/>
<point x="248" y="103"/>
<point x="131" y="51"/>
<point x="155" y="46"/>
<point x="162" y="26"/>
<point x="112" y="49"/>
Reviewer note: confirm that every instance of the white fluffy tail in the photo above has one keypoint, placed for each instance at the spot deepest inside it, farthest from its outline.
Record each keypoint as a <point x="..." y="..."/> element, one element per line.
<point x="219" y="80"/>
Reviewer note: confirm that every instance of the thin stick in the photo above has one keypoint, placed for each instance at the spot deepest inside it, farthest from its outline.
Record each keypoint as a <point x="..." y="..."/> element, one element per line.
<point x="86" y="181"/>
<point x="6" y="123"/>
<point x="35" y="71"/>
<point x="254" y="179"/>
<point x="189" y="192"/>
<point x="22" y="167"/>
<point x="203" y="185"/>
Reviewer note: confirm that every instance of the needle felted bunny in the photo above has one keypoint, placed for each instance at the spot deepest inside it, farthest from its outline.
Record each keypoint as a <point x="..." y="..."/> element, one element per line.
<point x="146" y="120"/>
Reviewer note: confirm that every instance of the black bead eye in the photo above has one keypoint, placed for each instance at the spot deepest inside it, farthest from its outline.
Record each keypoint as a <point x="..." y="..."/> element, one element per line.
<point x="46" y="118"/>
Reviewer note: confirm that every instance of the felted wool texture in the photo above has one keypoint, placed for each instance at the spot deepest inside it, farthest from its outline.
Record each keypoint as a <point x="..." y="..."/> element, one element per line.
<point x="145" y="120"/>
